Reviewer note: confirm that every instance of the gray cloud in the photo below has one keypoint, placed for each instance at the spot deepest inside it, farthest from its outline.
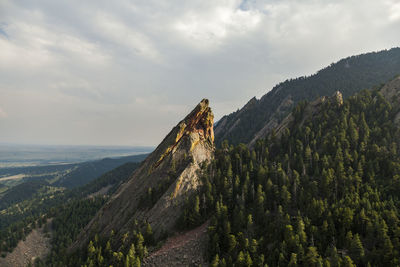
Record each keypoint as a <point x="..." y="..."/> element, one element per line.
<point x="125" y="72"/>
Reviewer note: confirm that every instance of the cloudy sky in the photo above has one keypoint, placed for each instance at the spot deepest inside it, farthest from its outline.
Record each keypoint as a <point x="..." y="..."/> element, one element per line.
<point x="125" y="72"/>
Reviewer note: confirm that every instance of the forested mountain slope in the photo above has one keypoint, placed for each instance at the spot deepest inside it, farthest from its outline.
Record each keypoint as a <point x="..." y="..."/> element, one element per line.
<point x="323" y="193"/>
<point x="349" y="75"/>
<point x="30" y="204"/>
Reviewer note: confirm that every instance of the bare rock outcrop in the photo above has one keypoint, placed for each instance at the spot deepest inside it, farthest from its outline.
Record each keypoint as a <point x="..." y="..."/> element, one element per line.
<point x="171" y="172"/>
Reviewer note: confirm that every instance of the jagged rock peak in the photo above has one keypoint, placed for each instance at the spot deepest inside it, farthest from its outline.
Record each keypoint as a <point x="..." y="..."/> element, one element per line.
<point x="196" y="127"/>
<point x="200" y="120"/>
<point x="338" y="98"/>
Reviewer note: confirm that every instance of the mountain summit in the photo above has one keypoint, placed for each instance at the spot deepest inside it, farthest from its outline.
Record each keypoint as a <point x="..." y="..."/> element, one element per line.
<point x="157" y="190"/>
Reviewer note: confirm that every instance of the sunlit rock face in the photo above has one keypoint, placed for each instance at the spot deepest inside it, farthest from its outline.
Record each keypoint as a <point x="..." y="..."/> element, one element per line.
<point x="169" y="175"/>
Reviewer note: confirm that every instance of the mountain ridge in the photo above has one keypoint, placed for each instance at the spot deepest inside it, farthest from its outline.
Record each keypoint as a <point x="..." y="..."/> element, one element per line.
<point x="349" y="75"/>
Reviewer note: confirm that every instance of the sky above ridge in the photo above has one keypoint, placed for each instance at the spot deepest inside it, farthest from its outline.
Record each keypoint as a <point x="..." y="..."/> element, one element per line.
<point x="125" y="72"/>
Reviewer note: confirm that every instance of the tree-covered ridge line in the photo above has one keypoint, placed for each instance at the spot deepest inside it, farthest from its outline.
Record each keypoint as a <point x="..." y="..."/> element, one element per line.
<point x="349" y="75"/>
<point x="326" y="193"/>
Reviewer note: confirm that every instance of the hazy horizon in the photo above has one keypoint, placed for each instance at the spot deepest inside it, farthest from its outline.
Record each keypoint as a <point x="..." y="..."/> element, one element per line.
<point x="22" y="155"/>
<point x="74" y="145"/>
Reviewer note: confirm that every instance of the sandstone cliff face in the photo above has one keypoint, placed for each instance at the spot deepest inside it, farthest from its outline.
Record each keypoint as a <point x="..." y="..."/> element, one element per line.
<point x="170" y="172"/>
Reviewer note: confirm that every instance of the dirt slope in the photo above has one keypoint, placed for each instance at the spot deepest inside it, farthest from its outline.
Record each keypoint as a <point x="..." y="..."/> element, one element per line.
<point x="184" y="249"/>
<point x="36" y="245"/>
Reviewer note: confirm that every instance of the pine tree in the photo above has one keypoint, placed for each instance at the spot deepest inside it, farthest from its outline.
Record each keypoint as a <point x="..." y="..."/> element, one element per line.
<point x="215" y="262"/>
<point x="293" y="260"/>
<point x="312" y="258"/>
<point x="249" y="261"/>
<point x="356" y="248"/>
<point x="347" y="262"/>
<point x="241" y="261"/>
<point x="149" y="238"/>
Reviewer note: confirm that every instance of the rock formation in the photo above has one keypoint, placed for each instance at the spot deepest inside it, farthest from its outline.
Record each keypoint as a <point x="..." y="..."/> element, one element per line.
<point x="157" y="189"/>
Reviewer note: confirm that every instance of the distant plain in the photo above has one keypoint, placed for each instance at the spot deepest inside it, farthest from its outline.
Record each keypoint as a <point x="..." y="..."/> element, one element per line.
<point x="16" y="155"/>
